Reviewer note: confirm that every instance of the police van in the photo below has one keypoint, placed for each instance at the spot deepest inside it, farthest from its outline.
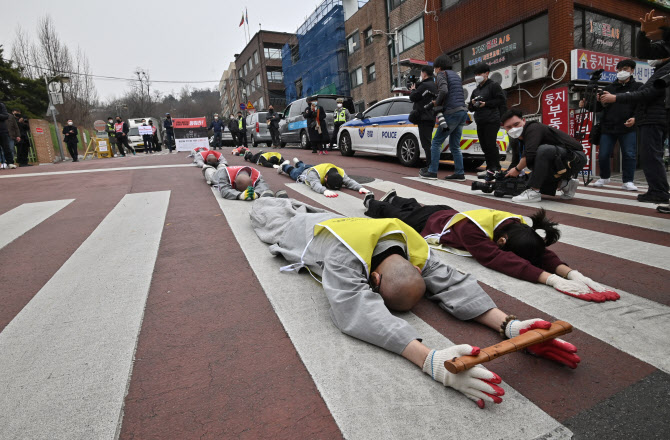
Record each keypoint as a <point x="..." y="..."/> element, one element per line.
<point x="385" y="129"/>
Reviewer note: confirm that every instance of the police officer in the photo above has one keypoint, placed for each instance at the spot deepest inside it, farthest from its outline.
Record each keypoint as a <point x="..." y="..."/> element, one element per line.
<point x="111" y="134"/>
<point x="340" y="116"/>
<point x="242" y="127"/>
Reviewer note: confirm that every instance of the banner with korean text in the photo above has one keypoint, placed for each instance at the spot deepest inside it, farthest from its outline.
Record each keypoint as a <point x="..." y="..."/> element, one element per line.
<point x="190" y="133"/>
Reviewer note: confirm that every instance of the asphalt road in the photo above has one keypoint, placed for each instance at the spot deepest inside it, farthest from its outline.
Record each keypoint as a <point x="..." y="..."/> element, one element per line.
<point x="136" y="303"/>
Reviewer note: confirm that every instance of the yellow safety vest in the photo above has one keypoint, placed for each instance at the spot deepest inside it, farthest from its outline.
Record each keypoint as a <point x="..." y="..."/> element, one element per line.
<point x="341" y="115"/>
<point x="361" y="235"/>
<point x="240" y="124"/>
<point x="268" y="156"/>
<point x="323" y="168"/>
<point x="486" y="219"/>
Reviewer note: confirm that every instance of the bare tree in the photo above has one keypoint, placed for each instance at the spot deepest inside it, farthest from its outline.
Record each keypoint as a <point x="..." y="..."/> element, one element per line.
<point x="22" y="53"/>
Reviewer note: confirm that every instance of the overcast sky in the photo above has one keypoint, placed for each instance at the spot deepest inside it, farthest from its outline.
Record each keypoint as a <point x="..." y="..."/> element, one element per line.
<point x="186" y="40"/>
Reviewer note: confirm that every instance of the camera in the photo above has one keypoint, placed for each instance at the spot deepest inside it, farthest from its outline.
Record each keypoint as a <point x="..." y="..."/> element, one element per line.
<point x="438" y="111"/>
<point x="502" y="186"/>
<point x="477" y="101"/>
<point x="412" y="77"/>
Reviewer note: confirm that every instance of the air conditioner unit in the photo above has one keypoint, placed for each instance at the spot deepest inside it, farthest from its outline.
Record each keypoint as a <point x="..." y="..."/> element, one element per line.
<point x="468" y="89"/>
<point x="504" y="77"/>
<point x="531" y="70"/>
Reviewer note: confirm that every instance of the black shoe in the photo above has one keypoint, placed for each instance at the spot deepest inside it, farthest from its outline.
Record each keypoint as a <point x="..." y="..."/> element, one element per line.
<point x="459" y="177"/>
<point x="281" y="194"/>
<point x="388" y="196"/>
<point x="366" y="201"/>
<point x="663" y="209"/>
<point x="25" y="165"/>
<point x="652" y="198"/>
<point x="313" y="151"/>
<point x="490" y="176"/>
<point x="425" y="174"/>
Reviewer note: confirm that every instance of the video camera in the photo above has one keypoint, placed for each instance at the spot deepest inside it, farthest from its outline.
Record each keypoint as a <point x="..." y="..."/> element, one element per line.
<point x="477" y="101"/>
<point x="502" y="186"/>
<point x="412" y="77"/>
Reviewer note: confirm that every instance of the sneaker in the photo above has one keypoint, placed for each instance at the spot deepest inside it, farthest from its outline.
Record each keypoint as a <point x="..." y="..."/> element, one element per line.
<point x="295" y="161"/>
<point x="12" y="166"/>
<point x="490" y="176"/>
<point x="528" y="196"/>
<point x="481" y="175"/>
<point x="459" y="177"/>
<point x="652" y="198"/>
<point x="324" y="152"/>
<point x="663" y="209"/>
<point x="281" y="194"/>
<point x="320" y="153"/>
<point x="279" y="167"/>
<point x="425" y="174"/>
<point x="570" y="189"/>
<point x="629" y="186"/>
<point x="603" y="182"/>
<point x="388" y="196"/>
<point x="366" y="201"/>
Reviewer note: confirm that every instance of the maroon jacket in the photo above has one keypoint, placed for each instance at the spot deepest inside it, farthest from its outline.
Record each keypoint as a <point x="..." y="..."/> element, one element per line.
<point x="467" y="236"/>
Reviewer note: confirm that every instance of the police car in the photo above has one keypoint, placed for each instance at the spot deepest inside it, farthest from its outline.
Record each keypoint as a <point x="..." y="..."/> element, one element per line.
<point x="385" y="129"/>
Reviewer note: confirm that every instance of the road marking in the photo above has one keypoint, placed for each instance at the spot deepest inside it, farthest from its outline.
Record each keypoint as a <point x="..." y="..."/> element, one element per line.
<point x="22" y="219"/>
<point x="641" y="221"/>
<point x="96" y="170"/>
<point x="67" y="356"/>
<point x="346" y="370"/>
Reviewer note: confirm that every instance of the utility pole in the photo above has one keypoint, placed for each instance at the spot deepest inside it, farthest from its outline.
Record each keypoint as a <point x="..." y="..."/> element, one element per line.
<point x="52" y="109"/>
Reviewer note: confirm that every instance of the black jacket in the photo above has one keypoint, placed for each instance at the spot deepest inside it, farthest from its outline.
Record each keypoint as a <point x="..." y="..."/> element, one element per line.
<point x="233" y="126"/>
<point x="614" y="115"/>
<point x="167" y="124"/>
<point x="217" y="125"/>
<point x="274" y="118"/>
<point x="649" y="101"/>
<point x="424" y="93"/>
<point x="648" y="50"/>
<point x="310" y="116"/>
<point x="535" y="134"/>
<point x="4" y="115"/>
<point x="71" y="134"/>
<point x="493" y="96"/>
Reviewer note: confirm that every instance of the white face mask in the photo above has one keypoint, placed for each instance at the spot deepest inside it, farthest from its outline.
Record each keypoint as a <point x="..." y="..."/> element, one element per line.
<point x="109" y="120"/>
<point x="479" y="79"/>
<point x="216" y="117"/>
<point x="69" y="123"/>
<point x="515" y="132"/>
<point x="339" y="105"/>
<point x="623" y="75"/>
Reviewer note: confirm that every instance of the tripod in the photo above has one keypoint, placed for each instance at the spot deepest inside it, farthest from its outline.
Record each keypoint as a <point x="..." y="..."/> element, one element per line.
<point x="591" y="96"/>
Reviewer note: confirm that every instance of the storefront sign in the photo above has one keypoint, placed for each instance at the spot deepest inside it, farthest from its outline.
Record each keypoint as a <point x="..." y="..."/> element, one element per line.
<point x="576" y="118"/>
<point x="585" y="61"/>
<point x="501" y="50"/>
<point x="190" y="133"/>
<point x="555" y="108"/>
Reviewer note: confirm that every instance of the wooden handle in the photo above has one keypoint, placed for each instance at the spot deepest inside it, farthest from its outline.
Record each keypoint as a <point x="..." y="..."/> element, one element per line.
<point x="531" y="337"/>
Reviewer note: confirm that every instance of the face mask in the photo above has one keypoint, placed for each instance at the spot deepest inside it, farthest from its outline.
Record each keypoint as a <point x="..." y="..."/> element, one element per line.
<point x="479" y="79"/>
<point x="118" y="120"/>
<point x="623" y="75"/>
<point x="515" y="132"/>
<point x="110" y="121"/>
<point x="339" y="105"/>
<point x="216" y="117"/>
<point x="315" y="103"/>
<point x="69" y="123"/>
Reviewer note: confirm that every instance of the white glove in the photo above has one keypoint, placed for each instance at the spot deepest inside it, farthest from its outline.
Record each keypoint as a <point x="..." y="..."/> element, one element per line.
<point x="329" y="193"/>
<point x="609" y="294"/>
<point x="573" y="288"/>
<point x="478" y="383"/>
<point x="363" y="191"/>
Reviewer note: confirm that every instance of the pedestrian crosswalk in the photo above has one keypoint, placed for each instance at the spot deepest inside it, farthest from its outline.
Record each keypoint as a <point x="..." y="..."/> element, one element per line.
<point x="21" y="219"/>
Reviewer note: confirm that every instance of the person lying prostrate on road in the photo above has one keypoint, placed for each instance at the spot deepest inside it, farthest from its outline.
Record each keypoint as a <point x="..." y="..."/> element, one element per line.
<point x="324" y="178"/>
<point x="499" y="240"/>
<point x="261" y="158"/>
<point x="370" y="267"/>
<point x="239" y="183"/>
<point x="239" y="151"/>
<point x="197" y="150"/>
<point x="211" y="158"/>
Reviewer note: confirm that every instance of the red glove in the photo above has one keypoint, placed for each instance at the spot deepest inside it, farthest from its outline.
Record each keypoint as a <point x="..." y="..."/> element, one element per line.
<point x="555" y="349"/>
<point x="597" y="288"/>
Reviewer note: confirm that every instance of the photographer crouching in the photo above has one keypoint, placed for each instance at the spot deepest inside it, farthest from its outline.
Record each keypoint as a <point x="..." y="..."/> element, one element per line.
<point x="554" y="157"/>
<point x="422" y="95"/>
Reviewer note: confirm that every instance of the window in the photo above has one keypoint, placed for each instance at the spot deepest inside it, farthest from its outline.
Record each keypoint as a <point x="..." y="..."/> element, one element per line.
<point x="457" y="65"/>
<point x="298" y="87"/>
<point x="392" y="4"/>
<point x="244" y="70"/>
<point x="410" y="35"/>
<point x="446" y="4"/>
<point x="261" y="104"/>
<point x="249" y="65"/>
<point x="272" y="53"/>
<point x="602" y="33"/>
<point x="258" y="80"/>
<point x="378" y="110"/>
<point x="359" y="106"/>
<point x="295" y="53"/>
<point x="401" y="108"/>
<point x="536" y="37"/>
<point x="368" y="36"/>
<point x="356" y="77"/>
<point x="372" y="73"/>
<point x="353" y="43"/>
<point x="255" y="57"/>
<point x="275" y="77"/>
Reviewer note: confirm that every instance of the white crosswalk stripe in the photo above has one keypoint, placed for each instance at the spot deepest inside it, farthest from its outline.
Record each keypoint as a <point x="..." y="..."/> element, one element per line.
<point x="347" y="371"/>
<point x="21" y="219"/>
<point x="67" y="356"/>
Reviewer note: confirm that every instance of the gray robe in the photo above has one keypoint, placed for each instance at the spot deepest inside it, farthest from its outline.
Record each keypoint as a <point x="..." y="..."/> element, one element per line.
<point x="355" y="309"/>
<point x="313" y="180"/>
<point x="200" y="161"/>
<point x="220" y="180"/>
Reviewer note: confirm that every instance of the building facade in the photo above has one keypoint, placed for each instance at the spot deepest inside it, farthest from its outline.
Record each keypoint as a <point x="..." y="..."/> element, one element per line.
<point x="259" y="73"/>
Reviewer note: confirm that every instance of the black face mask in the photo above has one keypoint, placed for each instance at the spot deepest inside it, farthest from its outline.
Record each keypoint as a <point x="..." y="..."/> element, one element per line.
<point x="118" y="120"/>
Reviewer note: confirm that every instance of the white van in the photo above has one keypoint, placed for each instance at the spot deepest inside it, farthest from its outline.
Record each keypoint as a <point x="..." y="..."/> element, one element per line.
<point x="134" y="138"/>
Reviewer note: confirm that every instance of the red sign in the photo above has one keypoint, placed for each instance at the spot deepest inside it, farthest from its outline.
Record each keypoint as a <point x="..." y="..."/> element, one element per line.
<point x="555" y="108"/>
<point x="39" y="130"/>
<point x="576" y="119"/>
<point x="189" y="122"/>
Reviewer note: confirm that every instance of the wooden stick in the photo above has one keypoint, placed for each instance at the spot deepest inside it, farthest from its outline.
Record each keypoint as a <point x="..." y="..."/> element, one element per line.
<point x="531" y="337"/>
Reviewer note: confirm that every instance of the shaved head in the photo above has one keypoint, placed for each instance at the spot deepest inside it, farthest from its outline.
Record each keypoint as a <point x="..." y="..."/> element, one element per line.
<point x="242" y="181"/>
<point x="211" y="160"/>
<point x="402" y="285"/>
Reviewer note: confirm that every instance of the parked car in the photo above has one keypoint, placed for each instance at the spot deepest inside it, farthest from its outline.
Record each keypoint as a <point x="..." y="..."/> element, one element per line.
<point x="293" y="126"/>
<point x="385" y="129"/>
<point x="257" y="129"/>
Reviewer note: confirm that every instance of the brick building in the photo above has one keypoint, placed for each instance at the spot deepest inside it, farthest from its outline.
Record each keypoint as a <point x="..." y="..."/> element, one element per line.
<point x="229" y="97"/>
<point x="259" y="70"/>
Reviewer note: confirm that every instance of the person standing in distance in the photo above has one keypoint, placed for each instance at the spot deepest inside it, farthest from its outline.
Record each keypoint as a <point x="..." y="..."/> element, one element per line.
<point x="71" y="139"/>
<point x="169" y="132"/>
<point x="218" y="127"/>
<point x="111" y="134"/>
<point x="5" y="127"/>
<point x="316" y="126"/>
<point x="233" y="126"/>
<point x="422" y="95"/>
<point x="242" y="127"/>
<point x="340" y="116"/>
<point x="487" y="100"/>
<point x="273" y="119"/>
<point x="148" y="140"/>
<point x="121" y="129"/>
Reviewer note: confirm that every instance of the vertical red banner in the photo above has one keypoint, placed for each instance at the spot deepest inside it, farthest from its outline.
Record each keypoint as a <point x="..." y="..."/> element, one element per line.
<point x="576" y="117"/>
<point x="555" y="108"/>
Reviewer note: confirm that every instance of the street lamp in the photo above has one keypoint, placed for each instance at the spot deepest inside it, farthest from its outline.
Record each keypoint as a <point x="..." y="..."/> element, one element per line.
<point x="48" y="80"/>
<point x="394" y="36"/>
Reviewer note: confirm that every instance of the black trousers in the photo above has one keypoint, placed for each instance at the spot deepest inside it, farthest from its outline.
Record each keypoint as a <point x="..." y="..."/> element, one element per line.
<point x="426" y="137"/>
<point x="122" y="141"/>
<point x="336" y="130"/>
<point x="650" y="142"/>
<point x="22" y="150"/>
<point x="237" y="139"/>
<point x="243" y="137"/>
<point x="72" y="149"/>
<point x="274" y="133"/>
<point x="148" y="143"/>
<point x="407" y="210"/>
<point x="488" y="135"/>
<point x="550" y="159"/>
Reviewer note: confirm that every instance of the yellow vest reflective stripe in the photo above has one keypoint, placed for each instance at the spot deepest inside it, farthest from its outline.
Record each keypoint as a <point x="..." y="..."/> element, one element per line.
<point x="268" y="156"/>
<point x="361" y="235"/>
<point x="240" y="124"/>
<point x="323" y="168"/>
<point x="341" y="115"/>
